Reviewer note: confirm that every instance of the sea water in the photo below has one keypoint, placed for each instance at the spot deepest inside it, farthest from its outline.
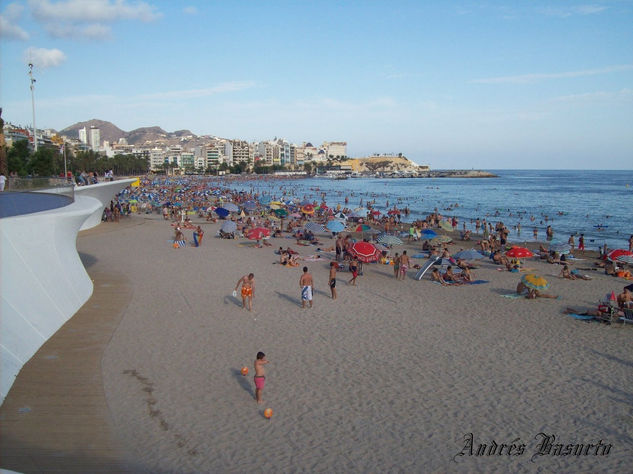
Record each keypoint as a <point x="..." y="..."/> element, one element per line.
<point x="598" y="204"/>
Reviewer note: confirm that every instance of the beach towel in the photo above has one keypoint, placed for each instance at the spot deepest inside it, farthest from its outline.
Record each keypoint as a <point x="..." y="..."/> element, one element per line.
<point x="582" y="317"/>
<point x="513" y="296"/>
<point x="178" y="244"/>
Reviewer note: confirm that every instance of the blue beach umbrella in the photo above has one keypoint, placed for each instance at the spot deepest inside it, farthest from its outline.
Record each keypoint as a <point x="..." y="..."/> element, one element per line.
<point x="228" y="227"/>
<point x="220" y="211"/>
<point x="250" y="206"/>
<point x="265" y="200"/>
<point x="427" y="234"/>
<point x="335" y="226"/>
<point x="471" y="254"/>
<point x="229" y="206"/>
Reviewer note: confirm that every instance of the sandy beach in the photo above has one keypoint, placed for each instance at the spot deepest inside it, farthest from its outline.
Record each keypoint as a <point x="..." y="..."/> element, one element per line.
<point x="391" y="376"/>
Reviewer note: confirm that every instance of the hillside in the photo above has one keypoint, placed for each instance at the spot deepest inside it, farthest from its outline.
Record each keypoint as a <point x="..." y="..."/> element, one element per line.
<point x="140" y="136"/>
<point x="384" y="164"/>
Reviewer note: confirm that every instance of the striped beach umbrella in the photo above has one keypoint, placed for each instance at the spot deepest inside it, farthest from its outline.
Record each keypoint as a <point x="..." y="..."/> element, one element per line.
<point x="441" y="239"/>
<point x="250" y="205"/>
<point x="446" y="226"/>
<point x="471" y="254"/>
<point x="314" y="227"/>
<point x="617" y="253"/>
<point x="388" y="240"/>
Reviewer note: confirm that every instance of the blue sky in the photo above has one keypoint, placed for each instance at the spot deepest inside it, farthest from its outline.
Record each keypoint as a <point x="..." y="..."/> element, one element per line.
<point x="450" y="84"/>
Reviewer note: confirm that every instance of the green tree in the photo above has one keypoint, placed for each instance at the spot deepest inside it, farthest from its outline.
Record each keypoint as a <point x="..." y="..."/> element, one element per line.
<point x="18" y="157"/>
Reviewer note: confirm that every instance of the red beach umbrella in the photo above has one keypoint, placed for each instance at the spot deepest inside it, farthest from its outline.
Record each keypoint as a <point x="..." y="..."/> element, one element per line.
<point x="375" y="212"/>
<point x="519" y="252"/>
<point x="258" y="233"/>
<point x="365" y="252"/>
<point x="614" y="254"/>
<point x="308" y="209"/>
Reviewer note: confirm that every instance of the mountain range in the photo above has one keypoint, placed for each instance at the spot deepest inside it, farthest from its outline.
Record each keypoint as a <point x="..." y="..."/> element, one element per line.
<point x="138" y="136"/>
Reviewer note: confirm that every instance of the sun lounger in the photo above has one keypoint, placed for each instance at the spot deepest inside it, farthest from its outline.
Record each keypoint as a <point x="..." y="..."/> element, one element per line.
<point x="628" y="316"/>
<point x="429" y="263"/>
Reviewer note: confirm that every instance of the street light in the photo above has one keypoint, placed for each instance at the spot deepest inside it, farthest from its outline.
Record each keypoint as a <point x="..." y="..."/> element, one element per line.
<point x="33" y="104"/>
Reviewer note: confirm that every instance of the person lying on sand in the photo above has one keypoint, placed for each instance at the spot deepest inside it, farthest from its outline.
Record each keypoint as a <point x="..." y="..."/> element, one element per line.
<point x="572" y="274"/>
<point x="437" y="276"/>
<point x="531" y="293"/>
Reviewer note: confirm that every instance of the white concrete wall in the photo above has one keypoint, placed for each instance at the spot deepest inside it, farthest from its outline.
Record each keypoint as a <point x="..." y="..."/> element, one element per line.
<point x="42" y="279"/>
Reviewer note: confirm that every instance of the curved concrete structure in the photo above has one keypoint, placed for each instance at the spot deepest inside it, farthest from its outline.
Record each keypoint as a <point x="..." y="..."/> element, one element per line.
<point x="43" y="281"/>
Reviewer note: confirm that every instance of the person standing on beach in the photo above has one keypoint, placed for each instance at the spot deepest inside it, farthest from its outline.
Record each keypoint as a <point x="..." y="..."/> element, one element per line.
<point x="339" y="247"/>
<point x="581" y="243"/>
<point x="260" y="375"/>
<point x="332" y="279"/>
<point x="396" y="265"/>
<point x="248" y="290"/>
<point x="306" y="283"/>
<point x="353" y="267"/>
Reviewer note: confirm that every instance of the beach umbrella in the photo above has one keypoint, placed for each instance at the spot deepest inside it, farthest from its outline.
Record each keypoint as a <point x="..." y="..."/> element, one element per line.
<point x="394" y="212"/>
<point x="281" y="212"/>
<point x="314" y="227"/>
<point x="274" y="206"/>
<point x="258" y="233"/>
<point x="388" y="240"/>
<point x="340" y="215"/>
<point x="427" y="234"/>
<point x="471" y="254"/>
<point x="441" y="239"/>
<point x="335" y="226"/>
<point x="519" y="252"/>
<point x="229" y="206"/>
<point x="295" y="215"/>
<point x="625" y="259"/>
<point x="614" y="254"/>
<point x="446" y="226"/>
<point x="220" y="211"/>
<point x="534" y="281"/>
<point x="265" y="200"/>
<point x="365" y="252"/>
<point x="228" y="227"/>
<point x="250" y="205"/>
<point x="362" y="228"/>
<point x="307" y="209"/>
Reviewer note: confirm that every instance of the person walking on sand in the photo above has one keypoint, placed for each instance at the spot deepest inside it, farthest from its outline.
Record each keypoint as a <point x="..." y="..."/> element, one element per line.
<point x="332" y="279"/>
<point x="404" y="265"/>
<point x="248" y="290"/>
<point x="353" y="267"/>
<point x="306" y="283"/>
<point x="260" y="375"/>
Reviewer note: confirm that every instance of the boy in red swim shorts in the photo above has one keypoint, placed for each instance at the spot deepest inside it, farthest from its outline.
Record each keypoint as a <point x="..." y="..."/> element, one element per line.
<point x="248" y="289"/>
<point x="260" y="376"/>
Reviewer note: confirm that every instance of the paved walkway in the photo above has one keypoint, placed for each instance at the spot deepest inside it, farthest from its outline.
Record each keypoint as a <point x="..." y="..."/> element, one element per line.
<point x="55" y="417"/>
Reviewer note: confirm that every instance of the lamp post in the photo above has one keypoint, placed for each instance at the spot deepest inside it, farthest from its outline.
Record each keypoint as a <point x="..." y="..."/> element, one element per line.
<point x="33" y="105"/>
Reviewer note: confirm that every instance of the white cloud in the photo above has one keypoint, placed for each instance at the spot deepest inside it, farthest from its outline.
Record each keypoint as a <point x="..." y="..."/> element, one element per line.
<point x="44" y="58"/>
<point x="190" y="10"/>
<point x="88" y="18"/>
<point x="565" y="12"/>
<point x="537" y="77"/>
<point x="8" y="23"/>
<point x="65" y="30"/>
<point x="75" y="11"/>
<point x="599" y="96"/>
<point x="197" y="93"/>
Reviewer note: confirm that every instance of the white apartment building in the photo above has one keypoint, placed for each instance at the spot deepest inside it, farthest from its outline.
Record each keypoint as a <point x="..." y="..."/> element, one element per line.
<point x="335" y="149"/>
<point x="83" y="135"/>
<point x="95" y="138"/>
<point x="156" y="158"/>
<point x="242" y="152"/>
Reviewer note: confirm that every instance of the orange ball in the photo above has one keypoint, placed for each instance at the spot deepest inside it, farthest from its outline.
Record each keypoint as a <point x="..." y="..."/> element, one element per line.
<point x="268" y="412"/>
<point x="244" y="371"/>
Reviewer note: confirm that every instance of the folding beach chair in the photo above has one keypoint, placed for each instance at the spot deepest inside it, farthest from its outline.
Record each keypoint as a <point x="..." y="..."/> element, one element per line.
<point x="628" y="316"/>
